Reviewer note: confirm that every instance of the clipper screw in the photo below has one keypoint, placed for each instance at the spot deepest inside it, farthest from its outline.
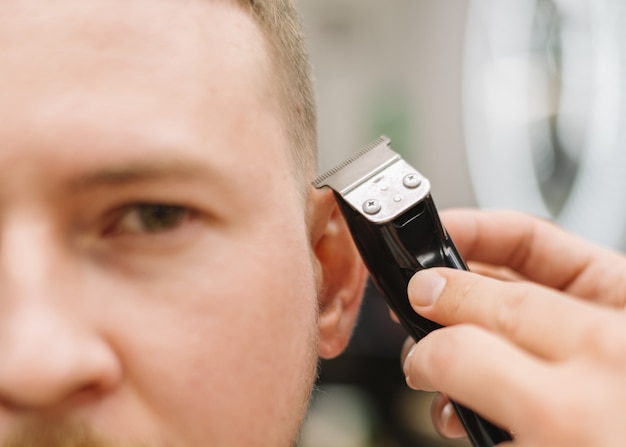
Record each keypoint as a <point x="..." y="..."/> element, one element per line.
<point x="412" y="181"/>
<point x="371" y="207"/>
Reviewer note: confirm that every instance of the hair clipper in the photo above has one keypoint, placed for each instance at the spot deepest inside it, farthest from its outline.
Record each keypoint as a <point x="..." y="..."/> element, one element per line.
<point x="395" y="225"/>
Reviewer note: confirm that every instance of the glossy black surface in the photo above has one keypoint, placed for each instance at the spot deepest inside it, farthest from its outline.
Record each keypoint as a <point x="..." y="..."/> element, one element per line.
<point x="393" y="252"/>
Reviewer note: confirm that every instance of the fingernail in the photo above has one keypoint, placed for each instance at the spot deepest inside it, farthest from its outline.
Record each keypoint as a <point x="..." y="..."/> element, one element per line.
<point x="451" y="425"/>
<point x="425" y="288"/>
<point x="405" y="366"/>
<point x="447" y="415"/>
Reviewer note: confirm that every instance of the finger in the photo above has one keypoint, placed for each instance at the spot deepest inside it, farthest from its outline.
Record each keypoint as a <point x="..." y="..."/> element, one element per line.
<point x="406" y="348"/>
<point x="536" y="249"/>
<point x="480" y="371"/>
<point x="495" y="272"/>
<point x="543" y="321"/>
<point x="446" y="421"/>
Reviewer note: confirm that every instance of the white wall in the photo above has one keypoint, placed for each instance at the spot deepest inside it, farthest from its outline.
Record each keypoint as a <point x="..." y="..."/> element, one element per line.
<point x="393" y="67"/>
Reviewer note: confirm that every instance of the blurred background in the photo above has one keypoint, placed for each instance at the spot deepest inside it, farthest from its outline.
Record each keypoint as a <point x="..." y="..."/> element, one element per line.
<point x="500" y="103"/>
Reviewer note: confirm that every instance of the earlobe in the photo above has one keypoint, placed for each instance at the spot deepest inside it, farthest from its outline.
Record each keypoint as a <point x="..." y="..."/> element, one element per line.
<point x="341" y="272"/>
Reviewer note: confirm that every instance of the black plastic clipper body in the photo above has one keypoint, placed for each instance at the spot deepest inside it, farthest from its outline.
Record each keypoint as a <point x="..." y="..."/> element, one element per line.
<point x="393" y="253"/>
<point x="396" y="227"/>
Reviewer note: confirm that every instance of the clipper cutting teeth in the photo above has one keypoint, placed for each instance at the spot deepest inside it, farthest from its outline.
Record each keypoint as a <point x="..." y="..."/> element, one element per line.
<point x="370" y="160"/>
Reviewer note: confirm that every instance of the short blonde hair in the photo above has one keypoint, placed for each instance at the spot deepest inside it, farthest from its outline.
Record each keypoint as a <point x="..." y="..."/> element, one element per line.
<point x="281" y="25"/>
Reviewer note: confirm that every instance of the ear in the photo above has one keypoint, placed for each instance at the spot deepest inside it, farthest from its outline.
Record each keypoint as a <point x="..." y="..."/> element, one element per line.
<point x="341" y="274"/>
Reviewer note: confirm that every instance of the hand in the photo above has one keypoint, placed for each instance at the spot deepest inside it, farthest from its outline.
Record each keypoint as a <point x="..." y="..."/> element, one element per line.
<point x="543" y="355"/>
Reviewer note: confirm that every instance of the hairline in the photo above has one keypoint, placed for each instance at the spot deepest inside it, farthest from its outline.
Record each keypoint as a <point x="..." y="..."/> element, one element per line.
<point x="289" y="57"/>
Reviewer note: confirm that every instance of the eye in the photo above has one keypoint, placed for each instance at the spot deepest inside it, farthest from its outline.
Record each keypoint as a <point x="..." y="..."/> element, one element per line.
<point x="149" y="218"/>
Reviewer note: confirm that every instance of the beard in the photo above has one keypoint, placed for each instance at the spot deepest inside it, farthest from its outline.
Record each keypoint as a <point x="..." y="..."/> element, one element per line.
<point x="57" y="435"/>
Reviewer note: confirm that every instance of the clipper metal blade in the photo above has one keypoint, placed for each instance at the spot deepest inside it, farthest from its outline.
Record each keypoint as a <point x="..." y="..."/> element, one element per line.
<point x="368" y="162"/>
<point x="396" y="227"/>
<point x="377" y="177"/>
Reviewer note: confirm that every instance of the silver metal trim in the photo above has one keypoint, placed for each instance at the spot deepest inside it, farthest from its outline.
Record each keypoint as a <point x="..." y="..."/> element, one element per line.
<point x="377" y="173"/>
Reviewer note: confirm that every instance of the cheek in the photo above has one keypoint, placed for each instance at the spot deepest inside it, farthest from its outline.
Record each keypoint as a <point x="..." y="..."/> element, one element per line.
<point x="226" y="343"/>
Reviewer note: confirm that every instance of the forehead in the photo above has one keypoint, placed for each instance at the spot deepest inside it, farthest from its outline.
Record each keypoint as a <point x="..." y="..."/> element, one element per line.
<point x="112" y="71"/>
<point x="111" y="24"/>
<point x="140" y="40"/>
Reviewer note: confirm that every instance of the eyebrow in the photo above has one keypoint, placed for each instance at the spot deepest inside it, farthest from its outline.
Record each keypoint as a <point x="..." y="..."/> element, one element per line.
<point x="143" y="171"/>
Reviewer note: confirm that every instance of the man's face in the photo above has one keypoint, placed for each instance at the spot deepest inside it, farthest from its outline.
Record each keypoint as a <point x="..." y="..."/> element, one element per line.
<point x="156" y="278"/>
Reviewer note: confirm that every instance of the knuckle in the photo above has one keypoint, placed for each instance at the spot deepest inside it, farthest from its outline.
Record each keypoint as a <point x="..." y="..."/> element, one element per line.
<point x="551" y="410"/>
<point x="447" y="346"/>
<point x="552" y="418"/>
<point x="430" y="360"/>
<point x="463" y="298"/>
<point x="550" y="414"/>
<point x="519" y="254"/>
<point x="509" y="313"/>
<point x="606" y="340"/>
<point x="563" y="406"/>
<point x="444" y="346"/>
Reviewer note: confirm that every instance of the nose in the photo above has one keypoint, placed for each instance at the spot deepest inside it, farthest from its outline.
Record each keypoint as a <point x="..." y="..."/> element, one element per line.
<point x="52" y="351"/>
<point x="47" y="361"/>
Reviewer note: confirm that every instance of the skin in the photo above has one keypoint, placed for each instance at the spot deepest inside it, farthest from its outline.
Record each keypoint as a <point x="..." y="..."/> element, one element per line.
<point x="544" y="326"/>
<point x="197" y="325"/>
